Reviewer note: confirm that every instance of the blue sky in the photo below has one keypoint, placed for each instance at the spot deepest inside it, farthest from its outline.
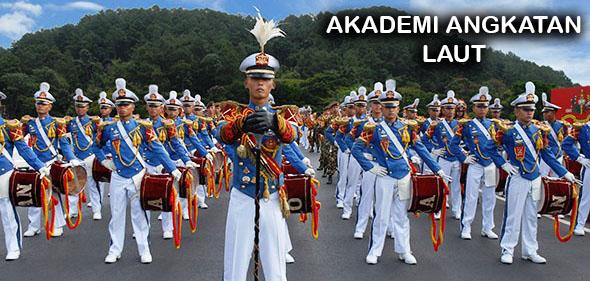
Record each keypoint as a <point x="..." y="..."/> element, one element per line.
<point x="571" y="56"/>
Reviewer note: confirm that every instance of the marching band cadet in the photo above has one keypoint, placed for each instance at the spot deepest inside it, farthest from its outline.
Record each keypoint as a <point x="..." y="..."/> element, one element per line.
<point x="328" y="149"/>
<point x="106" y="107"/>
<point x="369" y="180"/>
<point x="523" y="143"/>
<point x="426" y="129"/>
<point x="496" y="109"/>
<point x="354" y="172"/>
<point x="167" y="131"/>
<point x="558" y="131"/>
<point x="343" y="152"/>
<point x="411" y="110"/>
<point x="390" y="138"/>
<point x="83" y="131"/>
<point x="443" y="134"/>
<point x="124" y="139"/>
<point x="270" y="130"/>
<point x="11" y="137"/>
<point x="48" y="140"/>
<point x="580" y="135"/>
<point x="461" y="108"/>
<point x="481" y="172"/>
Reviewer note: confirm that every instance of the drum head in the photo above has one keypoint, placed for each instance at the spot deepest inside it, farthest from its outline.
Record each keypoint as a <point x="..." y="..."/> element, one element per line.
<point x="218" y="161"/>
<point x="77" y="184"/>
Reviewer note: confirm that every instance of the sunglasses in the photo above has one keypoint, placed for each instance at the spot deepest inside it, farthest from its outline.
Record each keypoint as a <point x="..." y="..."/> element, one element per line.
<point x="80" y="105"/>
<point x="186" y="105"/>
<point x="41" y="103"/>
<point x="123" y="104"/>
<point x="360" y="105"/>
<point x="481" y="106"/>
<point x="528" y="109"/>
<point x="104" y="107"/>
<point x="153" y="105"/>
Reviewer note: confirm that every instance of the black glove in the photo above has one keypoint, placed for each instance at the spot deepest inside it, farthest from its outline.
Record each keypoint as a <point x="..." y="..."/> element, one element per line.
<point x="260" y="121"/>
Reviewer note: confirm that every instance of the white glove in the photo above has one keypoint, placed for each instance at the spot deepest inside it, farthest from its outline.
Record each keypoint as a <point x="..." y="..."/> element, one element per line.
<point x="347" y="151"/>
<point x="470" y="159"/>
<point x="508" y="168"/>
<point x="107" y="163"/>
<point x="214" y="149"/>
<point x="190" y="165"/>
<point x="438" y="152"/>
<point x="310" y="172"/>
<point x="209" y="157"/>
<point x="445" y="177"/>
<point x="307" y="162"/>
<point x="44" y="171"/>
<point x="584" y="161"/>
<point x="176" y="174"/>
<point x="76" y="162"/>
<point x="571" y="178"/>
<point x="379" y="171"/>
<point x="415" y="159"/>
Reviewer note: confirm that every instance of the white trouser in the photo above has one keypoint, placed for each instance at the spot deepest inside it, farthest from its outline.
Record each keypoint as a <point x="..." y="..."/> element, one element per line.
<point x="453" y="169"/>
<point x="304" y="139"/>
<point x="202" y="193"/>
<point x="34" y="214"/>
<point x="546" y="171"/>
<point x="475" y="182"/>
<point x="288" y="244"/>
<point x="92" y="188"/>
<point x="123" y="189"/>
<point x="342" y="170"/>
<point x="354" y="176"/>
<point x="388" y="203"/>
<point x="10" y="220"/>
<point x="365" y="207"/>
<point x="520" y="211"/>
<point x="239" y="238"/>
<point x="584" y="201"/>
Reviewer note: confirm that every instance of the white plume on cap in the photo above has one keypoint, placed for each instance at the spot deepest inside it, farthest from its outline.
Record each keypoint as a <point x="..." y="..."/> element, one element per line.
<point x="435" y="97"/>
<point x="173" y="95"/>
<point x="544" y="97"/>
<point x="362" y="90"/>
<point x="186" y="92"/>
<point x="44" y="87"/>
<point x="347" y="99"/>
<point x="484" y="90"/>
<point x="378" y="86"/>
<point x="390" y="85"/>
<point x="416" y="102"/>
<point x="450" y="94"/>
<point x="2" y="96"/>
<point x="197" y="98"/>
<point x="497" y="101"/>
<point x="121" y="83"/>
<point x="353" y="95"/>
<point x="264" y="31"/>
<point x="102" y="95"/>
<point x="529" y="87"/>
<point x="79" y="92"/>
<point x="152" y="89"/>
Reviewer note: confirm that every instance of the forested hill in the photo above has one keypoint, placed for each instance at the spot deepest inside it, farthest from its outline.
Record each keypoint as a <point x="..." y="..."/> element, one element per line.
<point x="201" y="50"/>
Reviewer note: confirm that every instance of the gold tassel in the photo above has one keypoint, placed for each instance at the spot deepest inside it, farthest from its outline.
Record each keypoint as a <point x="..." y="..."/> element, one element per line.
<point x="181" y="132"/>
<point x="493" y="132"/>
<point x="136" y="139"/>
<point x="162" y="135"/>
<point x="539" y="142"/>
<point x="51" y="131"/>
<point x="2" y="136"/>
<point x="405" y="136"/>
<point x="88" y="131"/>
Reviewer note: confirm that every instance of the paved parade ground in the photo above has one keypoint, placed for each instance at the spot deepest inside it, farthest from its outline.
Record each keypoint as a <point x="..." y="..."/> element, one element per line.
<point x="79" y="254"/>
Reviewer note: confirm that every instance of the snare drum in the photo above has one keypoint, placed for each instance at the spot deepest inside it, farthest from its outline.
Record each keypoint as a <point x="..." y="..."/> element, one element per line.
<point x="299" y="197"/>
<point x="556" y="197"/>
<point x="289" y="169"/>
<point x="156" y="192"/>
<point x="25" y="188"/>
<point x="572" y="166"/>
<point x="502" y="179"/>
<point x="100" y="173"/>
<point x="427" y="193"/>
<point x="76" y="181"/>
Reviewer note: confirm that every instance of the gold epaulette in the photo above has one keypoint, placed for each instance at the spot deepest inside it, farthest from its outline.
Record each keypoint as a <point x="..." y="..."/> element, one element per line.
<point x="103" y="124"/>
<point x="542" y="126"/>
<point x="60" y="121"/>
<point x="420" y="120"/>
<point x="188" y="122"/>
<point x="341" y="120"/>
<point x="434" y="123"/>
<point x="13" y="124"/>
<point x="410" y="123"/>
<point x="578" y="125"/>
<point x="168" y="123"/>
<point x="369" y="127"/>
<point x="503" y="124"/>
<point x="230" y="109"/>
<point x="145" y="123"/>
<point x="290" y="113"/>
<point x="95" y="119"/>
<point x="464" y="121"/>
<point x="68" y="118"/>
<point x="357" y="123"/>
<point x="206" y="119"/>
<point x="25" y="119"/>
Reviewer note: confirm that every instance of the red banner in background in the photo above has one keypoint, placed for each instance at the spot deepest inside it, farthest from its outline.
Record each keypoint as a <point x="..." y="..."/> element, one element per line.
<point x="573" y="103"/>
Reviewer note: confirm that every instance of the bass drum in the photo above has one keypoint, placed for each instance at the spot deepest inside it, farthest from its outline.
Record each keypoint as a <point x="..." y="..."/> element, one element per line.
<point x="25" y="188"/>
<point x="299" y="197"/>
<point x="100" y="173"/>
<point x="72" y="177"/>
<point x="427" y="194"/>
<point x="156" y="193"/>
<point x="557" y="197"/>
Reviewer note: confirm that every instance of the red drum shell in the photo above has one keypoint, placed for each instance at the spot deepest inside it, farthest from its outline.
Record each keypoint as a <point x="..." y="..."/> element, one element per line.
<point x="298" y="189"/>
<point x="155" y="192"/>
<point x="100" y="173"/>
<point x="502" y="179"/>
<point x="556" y="197"/>
<point x="75" y="186"/>
<point x="573" y="166"/>
<point x="427" y="194"/>
<point x="25" y="188"/>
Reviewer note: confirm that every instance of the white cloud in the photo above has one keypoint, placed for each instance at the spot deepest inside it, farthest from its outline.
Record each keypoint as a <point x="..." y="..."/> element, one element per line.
<point x="216" y="5"/>
<point x="14" y="25"/>
<point x="84" y="5"/>
<point x="22" y="6"/>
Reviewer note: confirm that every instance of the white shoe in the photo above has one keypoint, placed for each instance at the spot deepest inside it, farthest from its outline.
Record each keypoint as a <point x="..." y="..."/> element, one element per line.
<point x="371" y="259"/>
<point x="97" y="216"/>
<point x="89" y="205"/>
<point x="146" y="258"/>
<point x="457" y="216"/>
<point x="57" y="232"/>
<point x="358" y="235"/>
<point x="392" y="236"/>
<point x="185" y="216"/>
<point x="167" y="235"/>
<point x="506" y="259"/>
<point x="31" y="232"/>
<point x="340" y="205"/>
<point x="465" y="235"/>
<point x="408" y="258"/>
<point x="160" y="217"/>
<point x="345" y="216"/>
<point x="535" y="258"/>
<point x="203" y="206"/>
<point x="437" y="216"/>
<point x="73" y="216"/>
<point x="579" y="232"/>
<point x="111" y="258"/>
<point x="538" y="216"/>
<point x="289" y="259"/>
<point x="13" y="256"/>
<point x="489" y="234"/>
